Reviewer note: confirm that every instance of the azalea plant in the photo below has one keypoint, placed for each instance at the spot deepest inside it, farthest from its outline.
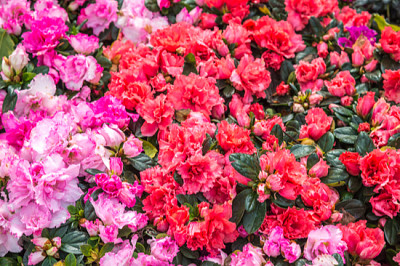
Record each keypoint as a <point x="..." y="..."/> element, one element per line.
<point x="206" y="132"/>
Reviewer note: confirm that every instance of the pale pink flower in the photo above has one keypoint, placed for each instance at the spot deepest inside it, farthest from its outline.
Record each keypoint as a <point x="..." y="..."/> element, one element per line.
<point x="99" y="15"/>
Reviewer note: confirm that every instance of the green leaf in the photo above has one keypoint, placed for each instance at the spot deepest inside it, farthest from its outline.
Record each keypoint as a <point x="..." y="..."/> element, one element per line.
<point x="140" y="248"/>
<point x="6" y="44"/>
<point x="375" y="76"/>
<point x="141" y="162"/>
<point x="228" y="91"/>
<point x="206" y="144"/>
<point x="70" y="260"/>
<point x="391" y="230"/>
<point x="335" y="177"/>
<point x="316" y="26"/>
<point x="364" y="144"/>
<point x="28" y="76"/>
<point x="49" y="261"/>
<point x="190" y="198"/>
<point x="41" y="70"/>
<point x="86" y="250"/>
<point x="312" y="160"/>
<point x="353" y="206"/>
<point x="300" y="150"/>
<point x="286" y="69"/>
<point x="104" y="62"/>
<point x="346" y="135"/>
<point x="178" y="178"/>
<point x="106" y="248"/>
<point x="190" y="254"/>
<point x="238" y="206"/>
<point x="5" y="261"/>
<point x="278" y="133"/>
<point x="89" y="211"/>
<point x="10" y="100"/>
<point x="326" y="142"/>
<point x="381" y="22"/>
<point x="251" y="201"/>
<point x="342" y="111"/>
<point x="253" y="220"/>
<point x="282" y="201"/>
<point x="152" y="5"/>
<point x="394" y="141"/>
<point x="149" y="149"/>
<point x="339" y="259"/>
<point x="72" y="241"/>
<point x="92" y="171"/>
<point x="332" y="157"/>
<point x="354" y="184"/>
<point x="246" y="165"/>
<point x="190" y="65"/>
<point x="209" y="263"/>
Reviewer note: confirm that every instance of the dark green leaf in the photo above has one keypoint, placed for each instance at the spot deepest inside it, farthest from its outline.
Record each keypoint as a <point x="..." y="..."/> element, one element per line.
<point x="189" y="253"/>
<point x="375" y="76"/>
<point x="141" y="162"/>
<point x="228" y="91"/>
<point x="140" y="248"/>
<point x="10" y="100"/>
<point x="8" y="262"/>
<point x="353" y="206"/>
<point x="183" y="199"/>
<point x="92" y="171"/>
<point x="178" y="178"/>
<point x="300" y="151"/>
<point x="282" y="202"/>
<point x="346" y="135"/>
<point x="41" y="70"/>
<point x="246" y="165"/>
<point x="90" y="213"/>
<point x="339" y="259"/>
<point x="308" y="51"/>
<point x="49" y="261"/>
<point x="354" y="183"/>
<point x="388" y="63"/>
<point x="206" y="144"/>
<point x="326" y="142"/>
<point x="104" y="62"/>
<point x="72" y="241"/>
<point x="253" y="220"/>
<point x="106" y="248"/>
<point x="286" y="69"/>
<point x="278" y="133"/>
<point x="335" y="176"/>
<point x="394" y="141"/>
<point x="391" y="230"/>
<point x="364" y="144"/>
<point x="190" y="65"/>
<point x="342" y="111"/>
<point x="209" y="263"/>
<point x="151" y="5"/>
<point x="70" y="260"/>
<point x="312" y="160"/>
<point x="238" y="206"/>
<point x="332" y="157"/>
<point x="302" y="262"/>
<point x="316" y="26"/>
<point x="251" y="201"/>
<point x="6" y="44"/>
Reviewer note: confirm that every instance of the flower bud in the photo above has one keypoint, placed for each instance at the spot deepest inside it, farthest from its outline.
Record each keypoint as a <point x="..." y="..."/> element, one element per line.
<point x="365" y="104"/>
<point x="6" y="68"/>
<point x="19" y="59"/>
<point x="52" y="251"/>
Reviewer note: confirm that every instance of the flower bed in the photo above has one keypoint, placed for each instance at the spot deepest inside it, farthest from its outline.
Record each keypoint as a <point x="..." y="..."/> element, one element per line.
<point x="207" y="132"/>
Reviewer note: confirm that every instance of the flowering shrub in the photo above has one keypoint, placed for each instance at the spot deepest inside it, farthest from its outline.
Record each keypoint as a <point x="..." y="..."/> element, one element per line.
<point x="207" y="132"/>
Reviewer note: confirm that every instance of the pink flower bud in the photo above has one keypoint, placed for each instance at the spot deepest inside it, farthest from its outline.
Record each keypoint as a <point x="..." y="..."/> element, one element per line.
<point x="207" y="21"/>
<point x="315" y="99"/>
<point x="365" y="104"/>
<point x="161" y="224"/>
<point x="116" y="165"/>
<point x="19" y="59"/>
<point x="322" y="48"/>
<point x="320" y="169"/>
<point x="371" y="66"/>
<point x="346" y="100"/>
<point x="52" y="251"/>
<point x="357" y="57"/>
<point x="298" y="108"/>
<point x="132" y="147"/>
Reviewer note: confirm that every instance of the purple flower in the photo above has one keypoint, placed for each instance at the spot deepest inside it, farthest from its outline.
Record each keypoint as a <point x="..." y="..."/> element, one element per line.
<point x="355" y="33"/>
